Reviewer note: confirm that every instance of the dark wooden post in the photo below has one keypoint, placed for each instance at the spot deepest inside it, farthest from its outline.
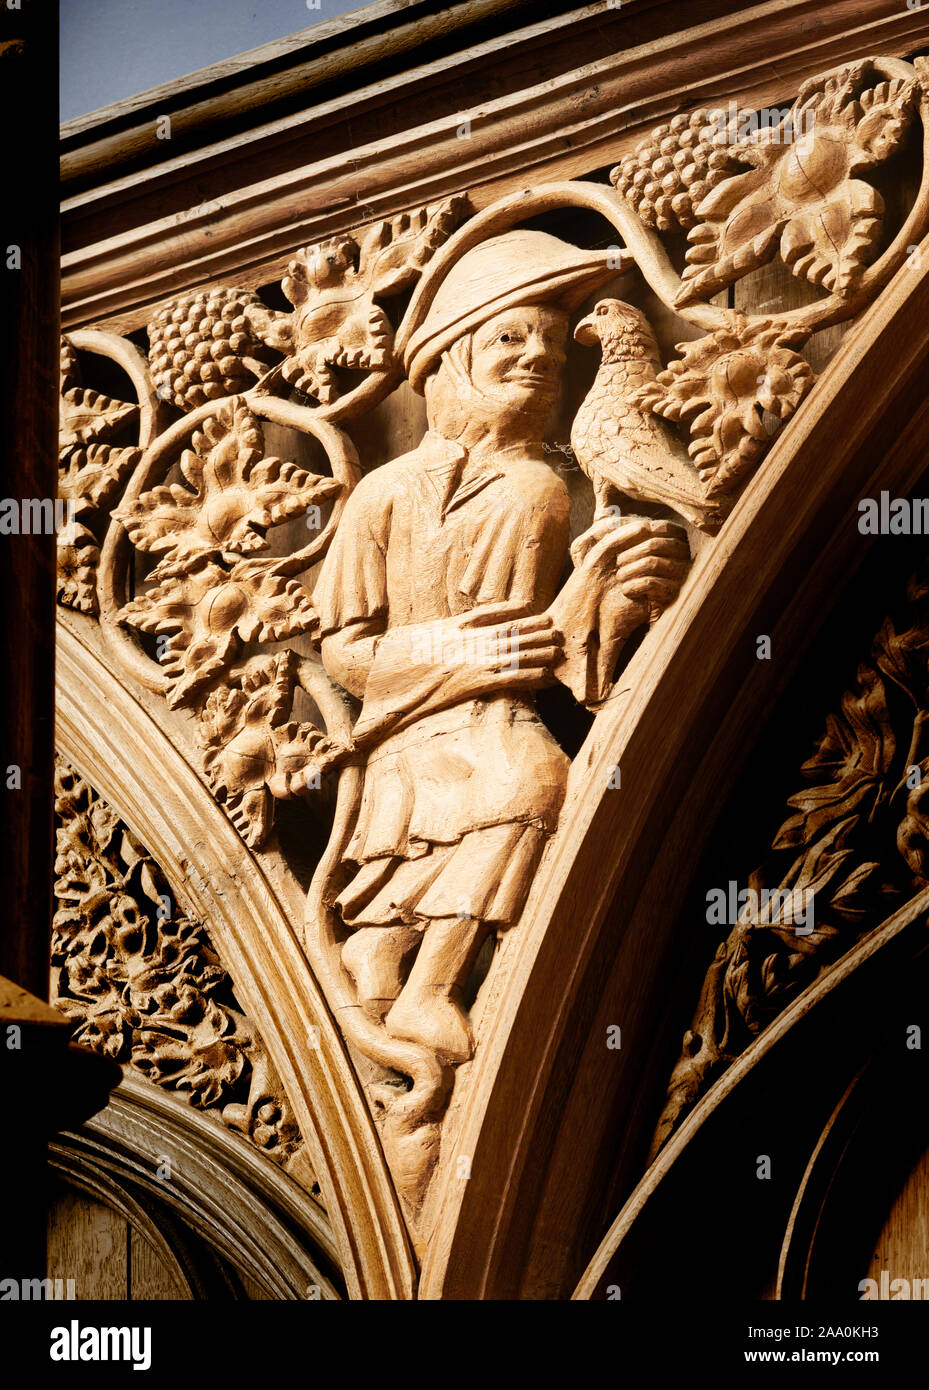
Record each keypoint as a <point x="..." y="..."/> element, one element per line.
<point x="28" y="440"/>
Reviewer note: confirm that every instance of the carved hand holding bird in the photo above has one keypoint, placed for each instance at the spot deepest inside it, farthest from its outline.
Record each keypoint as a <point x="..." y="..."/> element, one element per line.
<point x="621" y="446"/>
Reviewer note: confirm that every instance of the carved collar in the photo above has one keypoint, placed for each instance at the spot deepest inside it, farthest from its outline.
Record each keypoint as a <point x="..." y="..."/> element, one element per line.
<point x="445" y="463"/>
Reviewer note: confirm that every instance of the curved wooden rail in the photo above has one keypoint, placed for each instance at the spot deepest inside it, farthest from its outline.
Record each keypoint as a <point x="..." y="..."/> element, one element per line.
<point x="229" y="1192"/>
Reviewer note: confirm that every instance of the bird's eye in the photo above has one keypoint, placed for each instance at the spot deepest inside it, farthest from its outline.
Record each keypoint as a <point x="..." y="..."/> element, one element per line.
<point x="601" y="309"/>
<point x="505" y="338"/>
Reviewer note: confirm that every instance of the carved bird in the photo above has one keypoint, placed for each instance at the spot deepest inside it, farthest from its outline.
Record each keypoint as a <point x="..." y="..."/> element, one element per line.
<point x="621" y="446"/>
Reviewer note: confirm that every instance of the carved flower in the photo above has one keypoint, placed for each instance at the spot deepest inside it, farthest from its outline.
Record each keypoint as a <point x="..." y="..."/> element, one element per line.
<point x="235" y="494"/>
<point x="719" y="388"/>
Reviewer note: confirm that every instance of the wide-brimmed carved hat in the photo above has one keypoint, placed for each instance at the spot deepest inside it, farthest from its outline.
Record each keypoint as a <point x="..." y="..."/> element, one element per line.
<point x="518" y="267"/>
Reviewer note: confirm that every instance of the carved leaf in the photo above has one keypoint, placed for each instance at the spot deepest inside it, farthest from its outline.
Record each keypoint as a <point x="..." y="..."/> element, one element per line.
<point x="91" y="475"/>
<point x="333" y="287"/>
<point x="830" y="244"/>
<point x="206" y="611"/>
<point x="392" y="253"/>
<point x="235" y="494"/>
<point x="91" y="471"/>
<point x="253" y="752"/>
<point x="88" y="417"/>
<point x="799" y="193"/>
<point x="719" y="388"/>
<point x="849" y="764"/>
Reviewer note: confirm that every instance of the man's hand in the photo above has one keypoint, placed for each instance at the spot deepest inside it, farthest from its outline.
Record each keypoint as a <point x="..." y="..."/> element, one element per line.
<point x="496" y="647"/>
<point x="647" y="560"/>
<point x="625" y="573"/>
<point x="425" y="667"/>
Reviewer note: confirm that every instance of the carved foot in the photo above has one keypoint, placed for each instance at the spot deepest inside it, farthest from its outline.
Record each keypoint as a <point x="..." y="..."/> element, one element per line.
<point x="435" y="1021"/>
<point x="427" y="1011"/>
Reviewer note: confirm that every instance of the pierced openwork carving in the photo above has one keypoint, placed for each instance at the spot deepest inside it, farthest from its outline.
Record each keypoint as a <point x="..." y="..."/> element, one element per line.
<point x="142" y="979"/>
<point x="854" y="850"/>
<point x="209" y="595"/>
<point x="211" y="345"/>
<point x="374" y="633"/>
<point x="746" y="194"/>
<point x="92" y="469"/>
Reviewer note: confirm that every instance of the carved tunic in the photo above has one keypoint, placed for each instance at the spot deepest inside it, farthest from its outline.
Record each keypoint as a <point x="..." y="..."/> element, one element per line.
<point x="458" y="797"/>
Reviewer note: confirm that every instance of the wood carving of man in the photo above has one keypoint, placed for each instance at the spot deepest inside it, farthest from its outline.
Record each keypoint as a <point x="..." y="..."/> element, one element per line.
<point x="440" y="609"/>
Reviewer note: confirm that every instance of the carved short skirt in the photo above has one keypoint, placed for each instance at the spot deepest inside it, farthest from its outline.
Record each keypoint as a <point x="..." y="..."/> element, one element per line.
<point x="454" y="816"/>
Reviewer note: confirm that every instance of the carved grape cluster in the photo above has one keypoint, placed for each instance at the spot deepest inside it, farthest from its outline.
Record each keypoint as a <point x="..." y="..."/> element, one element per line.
<point x="673" y="169"/>
<point x="200" y="346"/>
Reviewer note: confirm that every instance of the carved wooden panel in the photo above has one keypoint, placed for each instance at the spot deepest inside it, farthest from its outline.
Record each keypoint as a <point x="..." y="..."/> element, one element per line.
<point x="143" y="982"/>
<point x="849" y="854"/>
<point x="396" y="575"/>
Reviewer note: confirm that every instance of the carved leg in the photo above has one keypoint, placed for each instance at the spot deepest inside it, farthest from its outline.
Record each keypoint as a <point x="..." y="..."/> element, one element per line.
<point x="376" y="958"/>
<point x="428" y="1010"/>
<point x="605" y="495"/>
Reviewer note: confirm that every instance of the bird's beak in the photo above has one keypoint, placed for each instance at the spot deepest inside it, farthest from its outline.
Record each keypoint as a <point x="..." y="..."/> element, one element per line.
<point x="585" y="332"/>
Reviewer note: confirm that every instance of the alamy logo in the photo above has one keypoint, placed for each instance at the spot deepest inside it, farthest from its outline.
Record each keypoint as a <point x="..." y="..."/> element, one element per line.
<point x="36" y="516"/>
<point x="76" y="1343"/>
<point x="893" y="516"/>
<point x="780" y="907"/>
<point x="36" y="1290"/>
<point x="887" y="1288"/>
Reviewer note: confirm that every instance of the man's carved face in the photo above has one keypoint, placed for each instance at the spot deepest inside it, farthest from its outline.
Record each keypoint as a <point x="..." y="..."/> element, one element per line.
<point x="517" y="357"/>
